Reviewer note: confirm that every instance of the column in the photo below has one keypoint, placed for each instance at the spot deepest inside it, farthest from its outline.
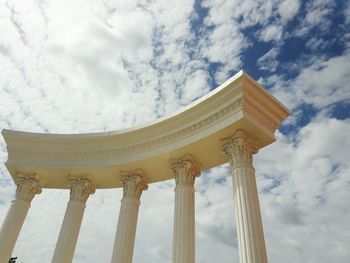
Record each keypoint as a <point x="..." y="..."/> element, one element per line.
<point x="27" y="187"/>
<point x="133" y="184"/>
<point x="80" y="189"/>
<point x="251" y="244"/>
<point x="185" y="171"/>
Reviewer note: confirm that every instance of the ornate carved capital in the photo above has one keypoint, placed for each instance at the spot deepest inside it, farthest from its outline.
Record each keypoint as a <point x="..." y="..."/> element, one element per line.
<point x="81" y="187"/>
<point x="134" y="182"/>
<point x="185" y="169"/>
<point x="239" y="149"/>
<point x="28" y="185"/>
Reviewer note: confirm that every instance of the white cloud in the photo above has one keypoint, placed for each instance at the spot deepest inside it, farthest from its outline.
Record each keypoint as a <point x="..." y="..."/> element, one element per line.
<point x="321" y="84"/>
<point x="269" y="60"/>
<point x="347" y="14"/>
<point x="220" y="47"/>
<point x="288" y="9"/>
<point x="271" y="33"/>
<point x="247" y="13"/>
<point x="318" y="15"/>
<point x="302" y="201"/>
<point x="195" y="86"/>
<point x="317" y="44"/>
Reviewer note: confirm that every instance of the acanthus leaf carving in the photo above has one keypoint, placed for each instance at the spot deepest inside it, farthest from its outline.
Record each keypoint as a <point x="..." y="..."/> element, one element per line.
<point x="80" y="188"/>
<point x="134" y="183"/>
<point x="185" y="169"/>
<point x="28" y="185"/>
<point x="239" y="149"/>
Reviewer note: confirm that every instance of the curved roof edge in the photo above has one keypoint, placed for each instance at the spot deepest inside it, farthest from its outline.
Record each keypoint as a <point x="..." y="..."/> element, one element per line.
<point x="239" y="103"/>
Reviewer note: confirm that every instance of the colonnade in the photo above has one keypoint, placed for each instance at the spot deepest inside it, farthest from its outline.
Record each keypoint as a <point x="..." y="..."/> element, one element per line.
<point x="239" y="150"/>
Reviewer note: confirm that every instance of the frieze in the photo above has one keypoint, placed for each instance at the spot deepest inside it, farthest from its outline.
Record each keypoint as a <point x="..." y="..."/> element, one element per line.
<point x="23" y="156"/>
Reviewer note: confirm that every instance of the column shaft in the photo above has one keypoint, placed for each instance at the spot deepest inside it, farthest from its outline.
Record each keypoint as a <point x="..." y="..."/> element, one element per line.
<point x="126" y="231"/>
<point x="11" y="228"/>
<point x="69" y="233"/>
<point x="185" y="171"/>
<point x="81" y="188"/>
<point x="250" y="235"/>
<point x="133" y="185"/>
<point x="184" y="226"/>
<point x="27" y="187"/>
<point x="249" y="225"/>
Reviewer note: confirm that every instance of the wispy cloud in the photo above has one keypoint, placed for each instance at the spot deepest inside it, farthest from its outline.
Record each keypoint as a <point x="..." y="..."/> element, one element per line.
<point x="321" y="84"/>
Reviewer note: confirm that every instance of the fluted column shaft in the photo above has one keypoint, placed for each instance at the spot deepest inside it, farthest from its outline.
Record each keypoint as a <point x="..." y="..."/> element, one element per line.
<point x="251" y="243"/>
<point x="80" y="189"/>
<point x="185" y="171"/>
<point x="133" y="185"/>
<point x="27" y="187"/>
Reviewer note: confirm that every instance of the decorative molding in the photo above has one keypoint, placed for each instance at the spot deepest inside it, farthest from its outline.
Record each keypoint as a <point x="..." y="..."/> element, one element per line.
<point x="26" y="156"/>
<point x="28" y="185"/>
<point x="134" y="183"/>
<point x="239" y="149"/>
<point x="261" y="117"/>
<point x="185" y="169"/>
<point x="81" y="187"/>
<point x="236" y="104"/>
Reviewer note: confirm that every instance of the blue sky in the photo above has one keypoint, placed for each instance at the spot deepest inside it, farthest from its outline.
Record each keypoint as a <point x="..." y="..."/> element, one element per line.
<point x="92" y="66"/>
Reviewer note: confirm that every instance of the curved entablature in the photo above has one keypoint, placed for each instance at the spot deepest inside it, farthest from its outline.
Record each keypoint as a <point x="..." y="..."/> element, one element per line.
<point x="239" y="103"/>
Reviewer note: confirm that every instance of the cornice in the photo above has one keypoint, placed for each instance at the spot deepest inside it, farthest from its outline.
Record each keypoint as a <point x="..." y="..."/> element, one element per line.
<point x="239" y="103"/>
<point x="53" y="156"/>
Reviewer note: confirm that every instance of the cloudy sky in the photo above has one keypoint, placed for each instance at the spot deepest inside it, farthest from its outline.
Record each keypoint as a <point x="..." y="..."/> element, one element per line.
<point x="92" y="66"/>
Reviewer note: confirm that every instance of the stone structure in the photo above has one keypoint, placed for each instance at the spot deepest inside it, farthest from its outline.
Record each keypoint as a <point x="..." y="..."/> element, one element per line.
<point x="229" y="124"/>
<point x="133" y="185"/>
<point x="80" y="189"/>
<point x="185" y="170"/>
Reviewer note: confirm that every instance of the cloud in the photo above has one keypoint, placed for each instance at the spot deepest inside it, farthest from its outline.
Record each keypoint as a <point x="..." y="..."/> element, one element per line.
<point x="347" y="14"/>
<point x="271" y="32"/>
<point x="288" y="9"/>
<point x="317" y="15"/>
<point x="323" y="83"/>
<point x="307" y="195"/>
<point x="269" y="60"/>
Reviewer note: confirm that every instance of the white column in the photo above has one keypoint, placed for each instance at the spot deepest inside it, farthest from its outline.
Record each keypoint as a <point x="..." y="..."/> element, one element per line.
<point x="185" y="171"/>
<point x="27" y="187"/>
<point x="80" y="189"/>
<point x="133" y="184"/>
<point x="251" y="244"/>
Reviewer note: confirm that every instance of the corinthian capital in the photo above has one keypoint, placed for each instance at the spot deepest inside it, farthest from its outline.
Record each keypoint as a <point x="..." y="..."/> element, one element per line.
<point x="134" y="182"/>
<point x="81" y="187"/>
<point x="28" y="185"/>
<point x="185" y="169"/>
<point x="239" y="149"/>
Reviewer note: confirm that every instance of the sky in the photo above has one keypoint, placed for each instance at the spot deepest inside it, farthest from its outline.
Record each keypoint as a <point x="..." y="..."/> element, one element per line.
<point x="94" y="66"/>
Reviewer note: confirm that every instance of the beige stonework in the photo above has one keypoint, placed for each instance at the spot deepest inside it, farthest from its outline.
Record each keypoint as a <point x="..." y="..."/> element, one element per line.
<point x="80" y="189"/>
<point x="28" y="185"/>
<point x="239" y="103"/>
<point x="251" y="244"/>
<point x="185" y="170"/>
<point x="134" y="183"/>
